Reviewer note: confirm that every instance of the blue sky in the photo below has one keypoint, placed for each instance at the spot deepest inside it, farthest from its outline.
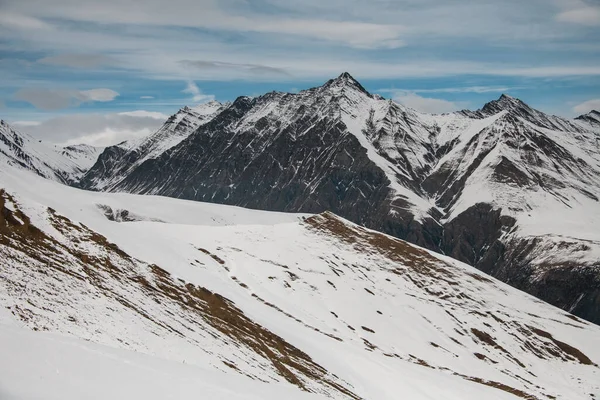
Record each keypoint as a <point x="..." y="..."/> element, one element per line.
<point x="101" y="72"/>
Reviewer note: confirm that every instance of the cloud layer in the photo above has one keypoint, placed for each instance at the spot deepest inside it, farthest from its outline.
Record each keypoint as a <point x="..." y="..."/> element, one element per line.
<point x="423" y="104"/>
<point x="77" y="60"/>
<point x="115" y="56"/>
<point x="56" y="99"/>
<point x="587" y="106"/>
<point x="94" y="129"/>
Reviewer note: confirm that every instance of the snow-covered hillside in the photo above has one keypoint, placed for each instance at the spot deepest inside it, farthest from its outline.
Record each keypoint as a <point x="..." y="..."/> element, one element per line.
<point x="47" y="366"/>
<point x="271" y="304"/>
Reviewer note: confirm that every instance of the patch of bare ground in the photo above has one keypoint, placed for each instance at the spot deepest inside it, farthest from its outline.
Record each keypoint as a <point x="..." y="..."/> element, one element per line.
<point x="574" y="318"/>
<point x="273" y="306"/>
<point x="487" y="339"/>
<point x="564" y="347"/>
<point x="215" y="257"/>
<point x="500" y="386"/>
<point x="483" y="357"/>
<point x="104" y="266"/>
<point x="370" y="241"/>
<point x="417" y="360"/>
<point x="544" y="346"/>
<point x="408" y="257"/>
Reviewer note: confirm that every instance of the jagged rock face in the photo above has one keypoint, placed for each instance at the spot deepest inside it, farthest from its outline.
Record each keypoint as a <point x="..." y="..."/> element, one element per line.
<point x="471" y="184"/>
<point x="119" y="160"/>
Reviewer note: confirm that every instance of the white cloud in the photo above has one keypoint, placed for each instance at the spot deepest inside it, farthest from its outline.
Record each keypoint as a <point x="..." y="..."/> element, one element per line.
<point x="96" y="95"/>
<point x="197" y="95"/>
<point x="583" y="16"/>
<point x="587" y="106"/>
<point x="77" y="60"/>
<point x="109" y="136"/>
<point x="306" y="41"/>
<point x="94" y="129"/>
<point x="146" y="97"/>
<point x="26" y="123"/>
<point x="467" y="89"/>
<point x="424" y="104"/>
<point x="209" y="14"/>
<point x="22" y="21"/>
<point x="55" y="99"/>
<point x="251" y="69"/>
<point x="144" y="113"/>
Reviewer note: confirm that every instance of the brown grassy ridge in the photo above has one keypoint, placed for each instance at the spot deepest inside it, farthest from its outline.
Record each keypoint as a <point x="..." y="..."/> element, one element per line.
<point x="368" y="241"/>
<point x="112" y="265"/>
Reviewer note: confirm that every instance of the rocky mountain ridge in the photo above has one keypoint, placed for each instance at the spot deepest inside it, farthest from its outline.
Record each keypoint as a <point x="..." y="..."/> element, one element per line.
<point x="476" y="185"/>
<point x="506" y="188"/>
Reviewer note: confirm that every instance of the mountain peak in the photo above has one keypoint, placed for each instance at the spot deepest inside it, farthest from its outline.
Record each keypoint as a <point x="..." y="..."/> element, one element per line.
<point x="345" y="80"/>
<point x="592" y="117"/>
<point x="505" y="103"/>
<point x="346" y="76"/>
<point x="506" y="99"/>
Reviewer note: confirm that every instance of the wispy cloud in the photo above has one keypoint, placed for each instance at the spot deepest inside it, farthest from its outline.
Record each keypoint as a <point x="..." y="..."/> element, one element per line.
<point x="587" y="106"/>
<point x="94" y="129"/>
<point x="467" y="89"/>
<point x="77" y="60"/>
<point x="253" y="69"/>
<point x="494" y="45"/>
<point x="586" y="15"/>
<point x="197" y="95"/>
<point x="424" y="104"/>
<point x="56" y="99"/>
<point x="145" y="114"/>
<point x="146" y="97"/>
<point x="209" y="15"/>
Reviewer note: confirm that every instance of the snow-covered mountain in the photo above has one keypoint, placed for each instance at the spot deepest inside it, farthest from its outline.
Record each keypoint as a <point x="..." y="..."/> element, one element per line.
<point x="121" y="159"/>
<point x="592" y="118"/>
<point x="84" y="155"/>
<point x="63" y="164"/>
<point x="507" y="188"/>
<point x="154" y="297"/>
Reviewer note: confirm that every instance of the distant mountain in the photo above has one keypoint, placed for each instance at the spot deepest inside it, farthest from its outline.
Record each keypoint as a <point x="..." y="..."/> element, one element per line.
<point x="592" y="118"/>
<point x="120" y="160"/>
<point x="507" y="188"/>
<point x="84" y="155"/>
<point x="63" y="164"/>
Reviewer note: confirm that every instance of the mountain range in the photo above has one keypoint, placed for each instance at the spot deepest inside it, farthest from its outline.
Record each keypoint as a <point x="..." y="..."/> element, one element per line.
<point x="506" y="188"/>
<point x="323" y="244"/>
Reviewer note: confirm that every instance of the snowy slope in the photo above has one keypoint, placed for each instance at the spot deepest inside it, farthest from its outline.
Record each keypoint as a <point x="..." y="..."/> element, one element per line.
<point x="55" y="367"/>
<point x="314" y="302"/>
